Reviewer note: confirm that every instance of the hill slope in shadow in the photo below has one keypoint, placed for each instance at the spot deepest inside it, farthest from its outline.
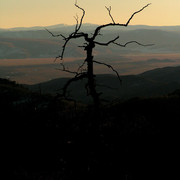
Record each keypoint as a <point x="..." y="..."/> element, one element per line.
<point x="48" y="139"/>
<point x="156" y="82"/>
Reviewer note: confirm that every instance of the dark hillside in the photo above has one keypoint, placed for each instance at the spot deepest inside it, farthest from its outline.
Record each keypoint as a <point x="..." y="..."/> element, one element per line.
<point x="166" y="75"/>
<point x="47" y="138"/>
<point x="11" y="92"/>
<point x="157" y="82"/>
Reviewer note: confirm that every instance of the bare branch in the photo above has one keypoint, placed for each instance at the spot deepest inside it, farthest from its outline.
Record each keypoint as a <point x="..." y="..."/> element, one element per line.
<point x="98" y="29"/>
<point x="63" y="48"/>
<point x="57" y="35"/>
<point x="109" y="10"/>
<point x="136" y="13"/>
<point x="98" y="34"/>
<point x="109" y="66"/>
<point x="80" y="24"/>
<point x="77" y="22"/>
<point x="131" y="42"/>
<point x="57" y="57"/>
<point x="81" y="66"/>
<point x="106" y="44"/>
<point x="67" y="70"/>
<point x="73" y="35"/>
<point x="76" y="78"/>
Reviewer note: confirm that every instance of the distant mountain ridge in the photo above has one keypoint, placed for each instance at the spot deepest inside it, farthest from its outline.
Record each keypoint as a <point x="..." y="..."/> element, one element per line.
<point x="157" y="82"/>
<point x="16" y="44"/>
<point x="90" y="26"/>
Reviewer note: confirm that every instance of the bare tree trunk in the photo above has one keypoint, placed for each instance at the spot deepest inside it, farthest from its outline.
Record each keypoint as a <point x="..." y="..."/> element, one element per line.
<point x="90" y="74"/>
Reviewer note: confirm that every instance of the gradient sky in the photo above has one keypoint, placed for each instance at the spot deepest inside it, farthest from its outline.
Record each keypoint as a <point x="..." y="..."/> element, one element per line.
<point x="26" y="13"/>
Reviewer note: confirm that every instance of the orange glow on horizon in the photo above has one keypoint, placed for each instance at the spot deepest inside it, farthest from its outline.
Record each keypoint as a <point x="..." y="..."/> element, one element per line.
<point x="22" y="13"/>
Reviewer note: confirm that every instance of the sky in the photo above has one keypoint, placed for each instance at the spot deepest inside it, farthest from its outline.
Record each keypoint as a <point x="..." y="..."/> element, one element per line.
<point x="28" y="13"/>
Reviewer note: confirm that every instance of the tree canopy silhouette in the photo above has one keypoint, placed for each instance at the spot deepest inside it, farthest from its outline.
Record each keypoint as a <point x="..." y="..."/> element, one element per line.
<point x="89" y="45"/>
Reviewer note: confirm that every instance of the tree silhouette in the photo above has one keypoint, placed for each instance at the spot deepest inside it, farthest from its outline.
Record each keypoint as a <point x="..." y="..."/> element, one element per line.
<point x="89" y="45"/>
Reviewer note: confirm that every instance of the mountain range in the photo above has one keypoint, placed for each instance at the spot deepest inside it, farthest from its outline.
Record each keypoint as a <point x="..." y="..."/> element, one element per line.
<point x="89" y="26"/>
<point x="36" y="42"/>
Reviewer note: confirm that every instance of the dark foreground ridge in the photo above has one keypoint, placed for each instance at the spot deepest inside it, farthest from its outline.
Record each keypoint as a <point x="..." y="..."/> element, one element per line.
<point x="153" y="83"/>
<point x="50" y="139"/>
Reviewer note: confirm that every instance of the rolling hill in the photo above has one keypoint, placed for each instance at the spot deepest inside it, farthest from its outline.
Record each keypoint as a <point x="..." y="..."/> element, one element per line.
<point x="25" y="42"/>
<point x="16" y="48"/>
<point x="157" y="82"/>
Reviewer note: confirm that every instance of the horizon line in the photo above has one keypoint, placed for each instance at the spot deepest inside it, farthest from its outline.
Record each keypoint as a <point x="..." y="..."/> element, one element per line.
<point x="36" y="26"/>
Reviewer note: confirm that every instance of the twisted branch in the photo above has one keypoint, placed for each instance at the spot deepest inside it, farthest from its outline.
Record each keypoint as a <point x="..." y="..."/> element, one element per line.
<point x="131" y="42"/>
<point x="67" y="70"/>
<point x="109" y="66"/>
<point x="98" y="29"/>
<point x="81" y="66"/>
<point x="109" y="10"/>
<point x="136" y="13"/>
<point x="76" y="78"/>
<point x="73" y="35"/>
<point x="57" y="35"/>
<point x="80" y="24"/>
<point x="106" y="44"/>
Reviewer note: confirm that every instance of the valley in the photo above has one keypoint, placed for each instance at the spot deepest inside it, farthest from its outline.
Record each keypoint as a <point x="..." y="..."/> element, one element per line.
<point x="36" y="70"/>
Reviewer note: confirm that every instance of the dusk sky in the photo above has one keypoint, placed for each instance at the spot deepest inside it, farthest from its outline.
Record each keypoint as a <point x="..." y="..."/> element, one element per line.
<point x="26" y="13"/>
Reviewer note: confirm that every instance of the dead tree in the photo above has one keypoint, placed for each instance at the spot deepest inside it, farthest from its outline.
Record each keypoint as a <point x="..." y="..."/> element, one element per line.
<point x="89" y="45"/>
